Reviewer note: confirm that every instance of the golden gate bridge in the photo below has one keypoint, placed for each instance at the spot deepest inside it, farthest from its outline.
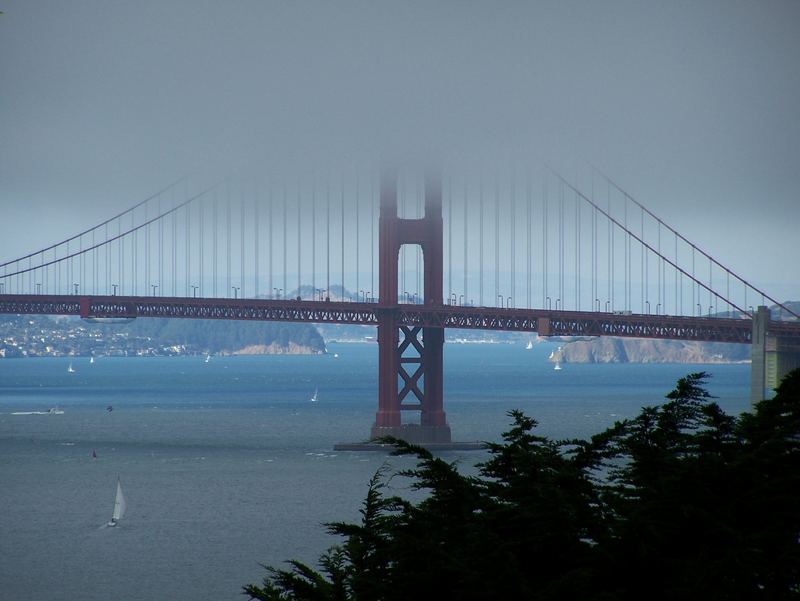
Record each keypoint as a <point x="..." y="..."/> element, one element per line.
<point x="419" y="254"/>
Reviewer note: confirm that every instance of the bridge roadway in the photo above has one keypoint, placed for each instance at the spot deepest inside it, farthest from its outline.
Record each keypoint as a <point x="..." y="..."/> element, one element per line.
<point x="541" y="321"/>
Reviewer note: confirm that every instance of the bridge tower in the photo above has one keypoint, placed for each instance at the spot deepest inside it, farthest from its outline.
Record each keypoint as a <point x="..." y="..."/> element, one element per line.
<point x="771" y="357"/>
<point x="410" y="369"/>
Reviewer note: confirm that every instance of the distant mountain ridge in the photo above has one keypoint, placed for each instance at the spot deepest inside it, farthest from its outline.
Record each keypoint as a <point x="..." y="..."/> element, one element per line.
<point x="643" y="350"/>
<point x="609" y="349"/>
<point x="36" y="335"/>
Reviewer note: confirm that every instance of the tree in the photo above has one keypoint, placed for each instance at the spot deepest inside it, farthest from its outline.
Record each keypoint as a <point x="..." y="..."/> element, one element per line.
<point x="680" y="502"/>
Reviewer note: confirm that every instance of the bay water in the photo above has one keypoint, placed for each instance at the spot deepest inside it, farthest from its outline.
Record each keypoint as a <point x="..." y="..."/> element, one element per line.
<point x="228" y="464"/>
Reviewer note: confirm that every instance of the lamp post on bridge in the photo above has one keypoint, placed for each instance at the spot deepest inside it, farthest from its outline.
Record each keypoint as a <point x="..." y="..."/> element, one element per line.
<point x="76" y="289"/>
<point x="154" y="287"/>
<point x="699" y="310"/>
<point x="235" y="291"/>
<point x="658" y="307"/>
<point x="548" y="303"/>
<point x="508" y="302"/>
<point x="194" y="291"/>
<point x="597" y="300"/>
<point x="647" y="304"/>
<point x="608" y="302"/>
<point x="114" y="287"/>
<point x="500" y="296"/>
<point x="710" y="309"/>
<point x="38" y="288"/>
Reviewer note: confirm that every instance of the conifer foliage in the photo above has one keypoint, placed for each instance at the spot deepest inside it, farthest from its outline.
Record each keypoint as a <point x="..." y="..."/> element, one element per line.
<point x="681" y="502"/>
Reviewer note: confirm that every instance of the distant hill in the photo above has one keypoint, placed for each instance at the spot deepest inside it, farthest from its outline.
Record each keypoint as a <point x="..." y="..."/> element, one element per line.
<point x="228" y="336"/>
<point x="32" y="335"/>
<point x="641" y="350"/>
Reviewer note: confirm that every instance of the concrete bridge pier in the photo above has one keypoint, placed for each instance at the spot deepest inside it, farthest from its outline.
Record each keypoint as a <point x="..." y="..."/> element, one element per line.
<point x="772" y="357"/>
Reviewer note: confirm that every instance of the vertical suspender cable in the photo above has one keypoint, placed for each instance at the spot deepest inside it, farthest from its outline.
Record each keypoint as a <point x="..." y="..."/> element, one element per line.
<point x="285" y="289"/>
<point x="202" y="271"/>
<point x="513" y="231"/>
<point x="528" y="240"/>
<point x="660" y="262"/>
<point x="480" y="244"/>
<point x="299" y="249"/>
<point x="175" y="244"/>
<point x="562" y="245"/>
<point x="214" y="234"/>
<point x="270" y="231"/>
<point x="228" y="287"/>
<point x="257" y="221"/>
<point x="357" y="218"/>
<point x="313" y="238"/>
<point x="403" y="215"/>
<point x="160" y="248"/>
<point x="496" y="239"/>
<point x="544" y="243"/>
<point x="676" y="278"/>
<point x="420" y="194"/>
<point x="328" y="240"/>
<point x="342" y="224"/>
<point x="241" y="241"/>
<point x="449" y="238"/>
<point x="611" y="253"/>
<point x="577" y="253"/>
<point x="372" y="236"/>
<point x="147" y="281"/>
<point x="466" y="202"/>
<point x="642" y="259"/>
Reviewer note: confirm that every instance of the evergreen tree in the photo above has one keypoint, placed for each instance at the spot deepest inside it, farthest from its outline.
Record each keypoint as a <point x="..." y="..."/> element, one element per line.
<point x="680" y="502"/>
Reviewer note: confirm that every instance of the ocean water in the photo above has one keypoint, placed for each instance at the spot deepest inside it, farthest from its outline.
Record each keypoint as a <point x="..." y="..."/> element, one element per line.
<point x="226" y="465"/>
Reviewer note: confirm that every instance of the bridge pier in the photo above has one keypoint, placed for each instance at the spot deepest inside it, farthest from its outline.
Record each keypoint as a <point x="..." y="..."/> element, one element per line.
<point x="772" y="357"/>
<point x="411" y="368"/>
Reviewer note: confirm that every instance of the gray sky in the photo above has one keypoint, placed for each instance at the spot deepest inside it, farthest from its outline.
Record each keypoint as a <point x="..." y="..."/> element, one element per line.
<point x="694" y="107"/>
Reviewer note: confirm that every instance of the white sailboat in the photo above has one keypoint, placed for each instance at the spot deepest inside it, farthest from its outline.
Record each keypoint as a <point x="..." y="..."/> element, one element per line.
<point x="208" y="358"/>
<point x="314" y="398"/>
<point x="558" y="355"/>
<point x="70" y="369"/>
<point x="91" y="360"/>
<point x="529" y="346"/>
<point x="119" y="506"/>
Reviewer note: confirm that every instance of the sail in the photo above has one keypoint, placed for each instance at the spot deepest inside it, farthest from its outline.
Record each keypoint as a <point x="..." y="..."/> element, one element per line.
<point x="119" y="504"/>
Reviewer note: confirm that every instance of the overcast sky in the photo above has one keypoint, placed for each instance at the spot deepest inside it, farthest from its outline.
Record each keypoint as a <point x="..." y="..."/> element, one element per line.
<point x="694" y="106"/>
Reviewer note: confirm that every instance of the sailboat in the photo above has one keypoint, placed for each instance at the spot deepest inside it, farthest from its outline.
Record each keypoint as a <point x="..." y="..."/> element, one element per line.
<point x="208" y="358"/>
<point x="529" y="346"/>
<point x="91" y="360"/>
<point x="119" y="506"/>
<point x="558" y="355"/>
<point x="314" y="398"/>
<point x="70" y="369"/>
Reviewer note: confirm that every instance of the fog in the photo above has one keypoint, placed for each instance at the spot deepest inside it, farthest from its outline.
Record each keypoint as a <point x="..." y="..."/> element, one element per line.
<point x="690" y="106"/>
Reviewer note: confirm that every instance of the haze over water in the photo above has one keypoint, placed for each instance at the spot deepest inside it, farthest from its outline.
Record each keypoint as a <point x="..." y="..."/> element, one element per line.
<point x="228" y="464"/>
